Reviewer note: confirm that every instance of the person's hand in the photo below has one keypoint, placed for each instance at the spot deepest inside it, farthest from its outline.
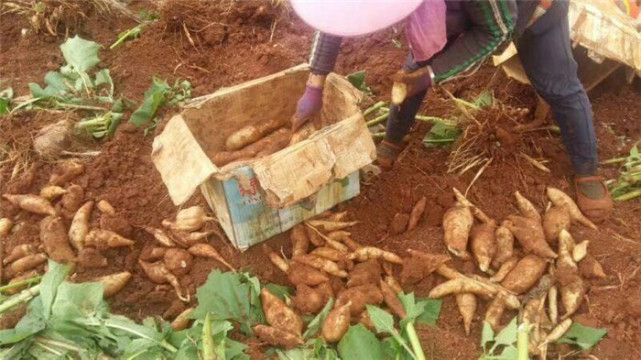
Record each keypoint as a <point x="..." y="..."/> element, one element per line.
<point x="308" y="105"/>
<point x="414" y="81"/>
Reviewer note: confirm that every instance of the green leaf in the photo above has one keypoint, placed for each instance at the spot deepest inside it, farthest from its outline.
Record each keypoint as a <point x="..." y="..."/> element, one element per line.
<point x="584" y="337"/>
<point x="508" y="335"/>
<point x="103" y="77"/>
<point x="484" y="99"/>
<point x="487" y="335"/>
<point x="384" y="323"/>
<point x="229" y="296"/>
<point x="279" y="290"/>
<point x="315" y="325"/>
<point x="360" y="343"/>
<point x="5" y="99"/>
<point x="422" y="311"/>
<point x="154" y="98"/>
<point x="81" y="54"/>
<point x="441" y="134"/>
<point x="78" y="301"/>
<point x="56" y="87"/>
<point x="510" y="352"/>
<point x="358" y="80"/>
<point x="32" y="323"/>
<point x="431" y="310"/>
<point x="382" y="320"/>
<point x="50" y="284"/>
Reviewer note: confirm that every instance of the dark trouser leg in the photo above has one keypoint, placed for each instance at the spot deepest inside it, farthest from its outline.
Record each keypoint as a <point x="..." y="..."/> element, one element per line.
<point x="401" y="117"/>
<point x="546" y="54"/>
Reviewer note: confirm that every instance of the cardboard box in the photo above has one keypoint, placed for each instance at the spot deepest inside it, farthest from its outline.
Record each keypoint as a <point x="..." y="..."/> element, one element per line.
<point x="259" y="198"/>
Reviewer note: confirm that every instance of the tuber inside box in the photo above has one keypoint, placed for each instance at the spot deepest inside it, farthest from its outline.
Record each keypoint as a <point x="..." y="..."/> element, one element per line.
<point x="216" y="121"/>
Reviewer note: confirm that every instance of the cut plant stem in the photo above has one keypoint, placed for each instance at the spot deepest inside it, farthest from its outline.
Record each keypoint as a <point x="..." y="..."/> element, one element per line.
<point x="58" y="344"/>
<point x="435" y="120"/>
<point x="208" y="340"/>
<point x="23" y="297"/>
<point x="379" y="135"/>
<point x="522" y="341"/>
<point x="18" y="284"/>
<point x="373" y="108"/>
<point x="378" y="120"/>
<point x="613" y="161"/>
<point x="628" y="196"/>
<point x="414" y="341"/>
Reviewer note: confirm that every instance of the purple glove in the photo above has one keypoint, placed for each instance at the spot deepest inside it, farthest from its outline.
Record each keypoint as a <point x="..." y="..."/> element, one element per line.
<point x="309" y="104"/>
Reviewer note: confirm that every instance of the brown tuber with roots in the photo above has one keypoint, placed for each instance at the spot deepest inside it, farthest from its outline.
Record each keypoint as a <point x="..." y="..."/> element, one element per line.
<point x="208" y="251"/>
<point x="391" y="300"/>
<point x="54" y="238"/>
<point x="308" y="300"/>
<point x="52" y="192"/>
<point x="360" y="296"/>
<point x="79" y="227"/>
<point x="466" y="304"/>
<point x="555" y="220"/>
<point x="561" y="199"/>
<point x="457" y="223"/>
<point x="25" y="264"/>
<point x="279" y="315"/>
<point x="484" y="244"/>
<point x="526" y="208"/>
<point x="337" y="322"/>
<point x="105" y="239"/>
<point x="525" y="274"/>
<point x="31" y="203"/>
<point x="114" y="282"/>
<point x="18" y="252"/>
<point x="66" y="171"/>
<point x="278" y="337"/>
<point x="178" y="261"/>
<point x="189" y="219"/>
<point x="300" y="241"/>
<point x="302" y="274"/>
<point x="417" y="213"/>
<point x="158" y="273"/>
<point x="504" y="246"/>
<point x="530" y="235"/>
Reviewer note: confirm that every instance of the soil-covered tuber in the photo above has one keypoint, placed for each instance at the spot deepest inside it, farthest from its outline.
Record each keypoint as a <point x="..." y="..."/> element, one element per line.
<point x="525" y="274"/>
<point x="457" y="223"/>
<point x="53" y="235"/>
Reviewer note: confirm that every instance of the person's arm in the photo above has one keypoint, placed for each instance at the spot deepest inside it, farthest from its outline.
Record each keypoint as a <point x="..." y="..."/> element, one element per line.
<point x="492" y="24"/>
<point x="325" y="49"/>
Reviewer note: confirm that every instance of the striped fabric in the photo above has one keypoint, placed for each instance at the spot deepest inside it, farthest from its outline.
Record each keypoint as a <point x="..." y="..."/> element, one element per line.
<point x="540" y="10"/>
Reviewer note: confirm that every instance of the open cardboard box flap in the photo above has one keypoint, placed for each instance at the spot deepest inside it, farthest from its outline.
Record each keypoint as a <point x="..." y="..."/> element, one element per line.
<point x="287" y="176"/>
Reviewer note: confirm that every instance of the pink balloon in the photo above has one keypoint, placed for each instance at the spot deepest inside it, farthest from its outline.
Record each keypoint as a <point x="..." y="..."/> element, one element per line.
<point x="353" y="17"/>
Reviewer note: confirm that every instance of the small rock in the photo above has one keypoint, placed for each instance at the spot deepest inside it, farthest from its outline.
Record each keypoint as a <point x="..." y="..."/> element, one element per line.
<point x="368" y="172"/>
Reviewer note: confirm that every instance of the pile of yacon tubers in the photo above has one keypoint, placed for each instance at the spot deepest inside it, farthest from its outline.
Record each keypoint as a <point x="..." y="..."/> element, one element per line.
<point x="66" y="236"/>
<point x="526" y="282"/>
<point x="326" y="263"/>
<point x="178" y="244"/>
<point x="260" y="140"/>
